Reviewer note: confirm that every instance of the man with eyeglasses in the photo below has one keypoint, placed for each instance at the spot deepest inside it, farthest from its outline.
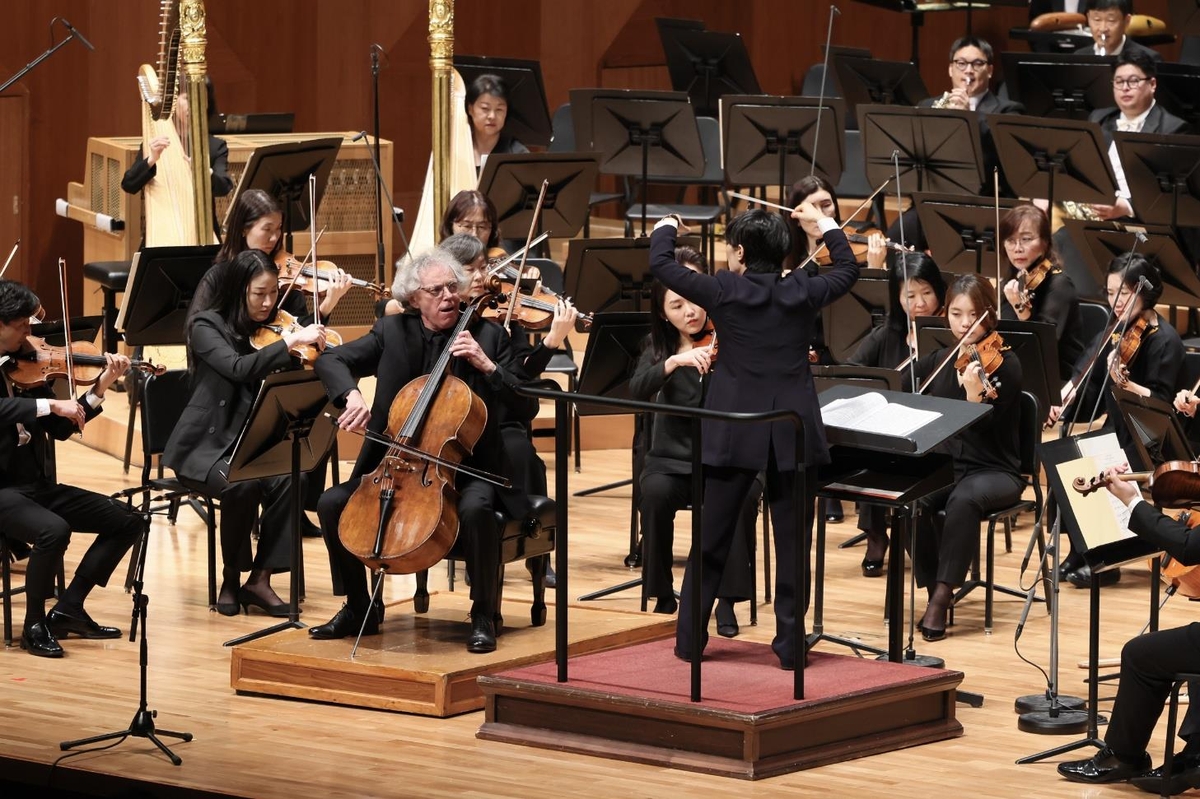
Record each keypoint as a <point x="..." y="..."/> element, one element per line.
<point x="1107" y="21"/>
<point x="970" y="81"/>
<point x="1134" y="82"/>
<point x="399" y="349"/>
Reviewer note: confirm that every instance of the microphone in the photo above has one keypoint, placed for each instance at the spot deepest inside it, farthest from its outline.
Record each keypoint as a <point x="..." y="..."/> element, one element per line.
<point x="362" y="134"/>
<point x="77" y="34"/>
<point x="1144" y="283"/>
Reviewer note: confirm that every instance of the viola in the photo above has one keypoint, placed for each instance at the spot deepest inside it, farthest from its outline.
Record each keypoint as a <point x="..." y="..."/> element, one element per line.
<point x="988" y="355"/>
<point x="1028" y="282"/>
<point x="707" y="337"/>
<point x="1174" y="484"/>
<point x="300" y="273"/>
<point x="270" y="332"/>
<point x="37" y="363"/>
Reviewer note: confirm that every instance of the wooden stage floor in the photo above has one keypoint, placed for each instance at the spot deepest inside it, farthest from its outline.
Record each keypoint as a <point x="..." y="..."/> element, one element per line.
<point x="262" y="747"/>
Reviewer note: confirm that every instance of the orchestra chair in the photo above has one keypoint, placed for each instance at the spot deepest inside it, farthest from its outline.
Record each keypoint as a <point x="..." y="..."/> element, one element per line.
<point x="529" y="539"/>
<point x="563" y="361"/>
<point x="1031" y="464"/>
<point x="562" y="140"/>
<point x="703" y="216"/>
<point x="1179" y="680"/>
<point x="163" y="398"/>
<point x="112" y="276"/>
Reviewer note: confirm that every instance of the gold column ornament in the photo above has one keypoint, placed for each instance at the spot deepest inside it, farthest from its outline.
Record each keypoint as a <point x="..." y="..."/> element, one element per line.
<point x="441" y="57"/>
<point x="193" y="38"/>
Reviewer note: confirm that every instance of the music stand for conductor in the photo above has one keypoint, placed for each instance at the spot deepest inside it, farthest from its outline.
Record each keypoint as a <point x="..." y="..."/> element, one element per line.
<point x="1100" y="242"/>
<point x="1059" y="85"/>
<point x="513" y="182"/>
<point x="706" y="65"/>
<point x="768" y="140"/>
<point x="1056" y="159"/>
<point x="639" y="133"/>
<point x="606" y="275"/>
<point x="870" y="81"/>
<point x="938" y="148"/>
<point x="528" y="118"/>
<point x="162" y="281"/>
<point x="1178" y="91"/>
<point x="282" y="170"/>
<point x="1163" y="173"/>
<point x="287" y="432"/>
<point x="961" y="230"/>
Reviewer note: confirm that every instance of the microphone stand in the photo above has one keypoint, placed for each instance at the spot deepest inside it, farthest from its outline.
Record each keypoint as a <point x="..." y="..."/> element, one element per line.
<point x="396" y="219"/>
<point x="379" y="251"/>
<point x="74" y="34"/>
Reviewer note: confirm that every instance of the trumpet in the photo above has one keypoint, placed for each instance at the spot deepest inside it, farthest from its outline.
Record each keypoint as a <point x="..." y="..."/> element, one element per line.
<point x="942" y="101"/>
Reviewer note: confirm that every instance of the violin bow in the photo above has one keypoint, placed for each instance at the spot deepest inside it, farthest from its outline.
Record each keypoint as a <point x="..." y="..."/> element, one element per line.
<point x="953" y="352"/>
<point x="812" y="165"/>
<point x="62" y="291"/>
<point x="312" y="251"/>
<point x="910" y="320"/>
<point x="11" y="255"/>
<point x="996" y="236"/>
<point x="812" y="256"/>
<point x="533" y="223"/>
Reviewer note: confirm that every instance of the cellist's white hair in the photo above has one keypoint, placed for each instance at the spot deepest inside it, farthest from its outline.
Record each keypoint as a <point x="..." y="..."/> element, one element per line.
<point x="409" y="272"/>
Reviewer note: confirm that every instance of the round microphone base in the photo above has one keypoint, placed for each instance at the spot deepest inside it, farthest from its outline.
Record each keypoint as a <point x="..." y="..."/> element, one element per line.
<point x="911" y="658"/>
<point x="1065" y="722"/>
<point x="1040" y="703"/>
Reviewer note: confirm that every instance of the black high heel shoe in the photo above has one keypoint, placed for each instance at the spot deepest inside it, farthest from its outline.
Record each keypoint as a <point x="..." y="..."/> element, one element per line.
<point x="872" y="568"/>
<point x="246" y="598"/>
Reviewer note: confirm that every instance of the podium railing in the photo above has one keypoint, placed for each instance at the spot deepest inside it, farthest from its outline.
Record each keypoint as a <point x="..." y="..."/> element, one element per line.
<point x="562" y="441"/>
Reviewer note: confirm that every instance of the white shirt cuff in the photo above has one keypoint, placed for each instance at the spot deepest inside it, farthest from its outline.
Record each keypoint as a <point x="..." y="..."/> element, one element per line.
<point x="1133" y="504"/>
<point x="92" y="400"/>
<point x="43" y="407"/>
<point x="667" y="220"/>
<point x="827" y="224"/>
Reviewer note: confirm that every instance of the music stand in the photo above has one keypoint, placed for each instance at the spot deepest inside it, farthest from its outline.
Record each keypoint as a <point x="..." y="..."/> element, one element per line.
<point x="83" y="328"/>
<point x="1059" y="85"/>
<point x="1157" y="432"/>
<point x="961" y="230"/>
<point x="162" y="281"/>
<point x="1178" y="91"/>
<point x="1048" y="158"/>
<point x="287" y="432"/>
<point x="706" y="65"/>
<point x="513" y="182"/>
<point x="867" y="81"/>
<point x="1100" y="242"/>
<point x="606" y="275"/>
<point x="640" y="132"/>
<point x="282" y="170"/>
<point x="528" y="118"/>
<point x="1184" y="16"/>
<point x="939" y="148"/>
<point x="850" y="318"/>
<point x="1163" y="173"/>
<point x="768" y="140"/>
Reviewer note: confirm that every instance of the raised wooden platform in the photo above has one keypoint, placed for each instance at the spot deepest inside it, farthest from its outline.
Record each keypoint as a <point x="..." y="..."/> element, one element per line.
<point x="633" y="704"/>
<point x="418" y="663"/>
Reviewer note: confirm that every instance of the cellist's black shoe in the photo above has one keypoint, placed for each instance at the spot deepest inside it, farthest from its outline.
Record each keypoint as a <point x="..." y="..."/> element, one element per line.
<point x="1103" y="767"/>
<point x="38" y="640"/>
<point x="483" y="634"/>
<point x="345" y="624"/>
<point x="77" y="622"/>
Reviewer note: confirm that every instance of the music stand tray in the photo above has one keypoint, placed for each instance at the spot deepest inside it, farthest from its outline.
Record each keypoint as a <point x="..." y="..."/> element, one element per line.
<point x="513" y="181"/>
<point x="961" y="230"/>
<point x="939" y="148"/>
<point x="1056" y="159"/>
<point x="1163" y="174"/>
<point x="1100" y="242"/>
<point x="282" y="170"/>
<point x="162" y="281"/>
<point x="769" y="141"/>
<point x="528" y="118"/>
<point x="870" y="81"/>
<point x="706" y="65"/>
<point x="869" y="377"/>
<point x="1059" y="85"/>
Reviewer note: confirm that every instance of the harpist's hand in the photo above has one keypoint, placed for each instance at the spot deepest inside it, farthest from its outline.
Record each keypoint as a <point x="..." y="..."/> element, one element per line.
<point x="356" y="414"/>
<point x="1186" y="402"/>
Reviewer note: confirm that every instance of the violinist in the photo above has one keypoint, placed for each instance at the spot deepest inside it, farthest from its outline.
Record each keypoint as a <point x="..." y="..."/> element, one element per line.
<point x="986" y="456"/>
<point x="806" y="238"/>
<point x="1149" y="663"/>
<point x="398" y="349"/>
<point x="226" y="371"/>
<point x="1037" y="289"/>
<point x="471" y="211"/>
<point x="766" y="323"/>
<point x="673" y="369"/>
<point x="41" y="512"/>
<point x="487" y="109"/>
<point x="915" y="288"/>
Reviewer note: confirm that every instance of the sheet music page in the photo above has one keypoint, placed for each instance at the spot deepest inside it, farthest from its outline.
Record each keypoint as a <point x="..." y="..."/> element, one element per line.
<point x="1106" y="453"/>
<point x="872" y="413"/>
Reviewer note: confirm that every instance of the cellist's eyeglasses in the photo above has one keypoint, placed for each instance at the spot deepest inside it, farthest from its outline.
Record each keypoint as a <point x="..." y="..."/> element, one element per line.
<point x="437" y="291"/>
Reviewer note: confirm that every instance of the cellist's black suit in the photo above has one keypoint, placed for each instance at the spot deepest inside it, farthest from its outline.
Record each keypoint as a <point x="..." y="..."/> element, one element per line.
<point x="764" y="325"/>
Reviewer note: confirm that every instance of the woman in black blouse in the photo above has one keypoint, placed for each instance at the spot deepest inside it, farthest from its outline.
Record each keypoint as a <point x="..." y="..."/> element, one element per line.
<point x="672" y="370"/>
<point x="487" y="110"/>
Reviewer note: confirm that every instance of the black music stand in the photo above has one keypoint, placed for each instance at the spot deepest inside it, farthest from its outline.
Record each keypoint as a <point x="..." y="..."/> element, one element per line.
<point x="850" y="318"/>
<point x="282" y="170"/>
<point x="83" y="328"/>
<point x="706" y="64"/>
<point x="287" y="432"/>
<point x="1163" y="173"/>
<point x="528" y="118"/>
<point x="1179" y="91"/>
<point x="513" y="182"/>
<point x="1100" y="242"/>
<point x="961" y="230"/>
<point x="768" y="140"/>
<point x="162" y="281"/>
<point x="639" y="133"/>
<point x="938" y="148"/>
<point x="1059" y="86"/>
<point x="917" y="10"/>
<point x="1055" y="159"/>
<point x="1158" y="435"/>
<point x="866" y="81"/>
<point x="606" y="275"/>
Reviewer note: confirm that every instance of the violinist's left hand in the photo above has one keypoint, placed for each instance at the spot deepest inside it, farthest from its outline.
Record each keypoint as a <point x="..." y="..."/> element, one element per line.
<point x="467" y="348"/>
<point x="877" y="251"/>
<point x="1186" y="402"/>
<point x="114" y="366"/>
<point x="971" y="379"/>
<point x="1123" y="490"/>
<point x="564" y="319"/>
<point x="337" y="288"/>
<point x="1012" y="293"/>
<point x="1116" y="372"/>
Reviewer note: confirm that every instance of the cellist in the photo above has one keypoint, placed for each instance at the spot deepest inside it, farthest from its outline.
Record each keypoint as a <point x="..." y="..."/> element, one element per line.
<point x="398" y="349"/>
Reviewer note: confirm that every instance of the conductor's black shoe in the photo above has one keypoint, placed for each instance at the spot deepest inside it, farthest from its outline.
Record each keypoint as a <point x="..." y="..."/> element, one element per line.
<point x="679" y="654"/>
<point x="1083" y="576"/>
<point x="1103" y="767"/>
<point x="77" y="622"/>
<point x="344" y="624"/>
<point x="1185" y="775"/>
<point x="483" y="635"/>
<point x="727" y="623"/>
<point x="666" y="604"/>
<point x="38" y="640"/>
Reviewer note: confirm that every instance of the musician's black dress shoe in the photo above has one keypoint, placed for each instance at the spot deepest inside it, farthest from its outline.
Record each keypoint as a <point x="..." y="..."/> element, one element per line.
<point x="38" y="640"/>
<point x="76" y="621"/>
<point x="344" y="624"/>
<point x="483" y="634"/>
<point x="727" y="623"/>
<point x="1102" y="767"/>
<point x="833" y="510"/>
<point x="1185" y="775"/>
<point x="1082" y="577"/>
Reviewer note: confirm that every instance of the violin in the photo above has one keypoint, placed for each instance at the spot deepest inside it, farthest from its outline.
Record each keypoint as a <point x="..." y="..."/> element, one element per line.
<point x="1174" y="484"/>
<point x="536" y="308"/>
<point x="859" y="245"/>
<point x="270" y="332"/>
<point x="323" y="273"/>
<point x="988" y="354"/>
<point x="707" y="337"/>
<point x="1127" y="344"/>
<point x="37" y="363"/>
<point x="1028" y="282"/>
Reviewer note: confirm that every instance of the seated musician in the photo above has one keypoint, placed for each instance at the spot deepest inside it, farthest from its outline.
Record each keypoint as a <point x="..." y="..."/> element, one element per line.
<point x="1030" y="254"/>
<point x="487" y="110"/>
<point x="37" y="509"/>
<point x="970" y="73"/>
<point x="1108" y="20"/>
<point x="672" y="370"/>
<point x="915" y="288"/>
<point x="1134" y="83"/>
<point x="398" y="349"/>
<point x="1148" y="665"/>
<point x="226" y="371"/>
<point x="986" y="455"/>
